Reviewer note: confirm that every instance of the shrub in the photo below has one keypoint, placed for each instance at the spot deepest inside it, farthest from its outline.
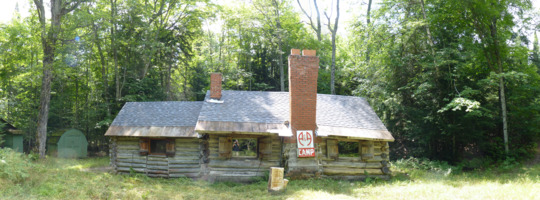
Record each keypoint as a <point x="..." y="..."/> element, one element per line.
<point x="438" y="167"/>
<point x="13" y="165"/>
<point x="476" y="163"/>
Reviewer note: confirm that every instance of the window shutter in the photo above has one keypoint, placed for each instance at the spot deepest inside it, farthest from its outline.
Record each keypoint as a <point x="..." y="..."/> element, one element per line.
<point x="384" y="148"/>
<point x="143" y="146"/>
<point x="332" y="148"/>
<point x="265" y="148"/>
<point x="170" y="149"/>
<point x="225" y="147"/>
<point x="367" y="150"/>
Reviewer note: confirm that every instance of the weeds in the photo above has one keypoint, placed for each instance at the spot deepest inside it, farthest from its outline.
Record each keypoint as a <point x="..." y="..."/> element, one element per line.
<point x="413" y="178"/>
<point x="14" y="166"/>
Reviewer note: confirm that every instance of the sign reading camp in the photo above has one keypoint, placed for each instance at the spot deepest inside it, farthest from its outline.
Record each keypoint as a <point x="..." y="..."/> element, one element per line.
<point x="305" y="142"/>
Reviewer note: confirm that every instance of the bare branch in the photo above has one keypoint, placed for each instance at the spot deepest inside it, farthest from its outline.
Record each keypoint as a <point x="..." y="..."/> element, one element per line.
<point x="329" y="23"/>
<point x="336" y="20"/>
<point x="308" y="16"/>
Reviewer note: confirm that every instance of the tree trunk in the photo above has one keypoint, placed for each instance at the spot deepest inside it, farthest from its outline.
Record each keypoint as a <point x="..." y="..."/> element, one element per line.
<point x="333" y="69"/>
<point x="504" y="114"/>
<point x="319" y="37"/>
<point x="44" y="99"/>
<point x="318" y="28"/>
<point x="281" y="73"/>
<point x="114" y="52"/>
<point x="493" y="28"/>
<point x="103" y="70"/>
<point x="168" y="82"/>
<point x="334" y="32"/>
<point x="48" y="40"/>
<point x="280" y="64"/>
<point x="368" y="21"/>
<point x="430" y="40"/>
<point x="431" y="44"/>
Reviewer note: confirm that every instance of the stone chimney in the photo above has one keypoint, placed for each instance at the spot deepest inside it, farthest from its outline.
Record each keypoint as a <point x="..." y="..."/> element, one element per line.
<point x="215" y="86"/>
<point x="303" y="73"/>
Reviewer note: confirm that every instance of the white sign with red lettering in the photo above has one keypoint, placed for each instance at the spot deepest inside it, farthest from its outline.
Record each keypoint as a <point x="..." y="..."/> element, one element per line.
<point x="305" y="141"/>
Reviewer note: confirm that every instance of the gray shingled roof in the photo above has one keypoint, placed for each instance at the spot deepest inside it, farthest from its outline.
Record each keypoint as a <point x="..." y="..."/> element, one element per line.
<point x="346" y="111"/>
<point x="247" y="106"/>
<point x="273" y="107"/>
<point x="250" y="111"/>
<point x="159" y="114"/>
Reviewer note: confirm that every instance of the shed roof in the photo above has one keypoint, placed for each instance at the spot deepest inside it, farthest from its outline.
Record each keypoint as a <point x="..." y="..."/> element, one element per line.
<point x="9" y="128"/>
<point x="156" y="119"/>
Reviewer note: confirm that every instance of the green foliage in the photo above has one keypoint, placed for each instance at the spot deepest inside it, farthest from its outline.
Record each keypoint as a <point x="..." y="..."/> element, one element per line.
<point x="348" y="149"/>
<point x="14" y="166"/>
<point x="425" y="166"/>
<point x="441" y="101"/>
<point x="535" y="53"/>
<point x="509" y="164"/>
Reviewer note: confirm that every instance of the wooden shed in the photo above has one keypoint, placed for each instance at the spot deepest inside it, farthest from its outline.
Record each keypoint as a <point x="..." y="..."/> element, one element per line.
<point x="72" y="144"/>
<point x="11" y="136"/>
<point x="238" y="135"/>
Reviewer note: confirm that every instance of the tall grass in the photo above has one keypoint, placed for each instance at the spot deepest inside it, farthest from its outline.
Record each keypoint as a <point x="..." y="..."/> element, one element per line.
<point x="55" y="178"/>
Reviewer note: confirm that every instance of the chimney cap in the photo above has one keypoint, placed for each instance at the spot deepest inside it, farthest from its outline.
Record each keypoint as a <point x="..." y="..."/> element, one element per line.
<point x="307" y="52"/>
<point x="295" y="51"/>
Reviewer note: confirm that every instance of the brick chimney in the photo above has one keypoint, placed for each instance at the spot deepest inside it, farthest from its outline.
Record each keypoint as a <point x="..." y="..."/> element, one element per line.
<point x="303" y="73"/>
<point x="215" y="86"/>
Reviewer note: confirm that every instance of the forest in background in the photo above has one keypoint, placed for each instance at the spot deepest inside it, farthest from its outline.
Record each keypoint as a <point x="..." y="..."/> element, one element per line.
<point x="448" y="78"/>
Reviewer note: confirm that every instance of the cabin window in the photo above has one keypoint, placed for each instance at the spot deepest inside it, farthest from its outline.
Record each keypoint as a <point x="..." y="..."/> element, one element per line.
<point x="244" y="147"/>
<point x="158" y="146"/>
<point x="348" y="149"/>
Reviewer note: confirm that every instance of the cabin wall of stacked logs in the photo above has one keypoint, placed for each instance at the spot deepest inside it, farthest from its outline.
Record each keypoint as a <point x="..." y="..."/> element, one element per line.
<point x="185" y="162"/>
<point x="373" y="158"/>
<point x="222" y="166"/>
<point x="126" y="158"/>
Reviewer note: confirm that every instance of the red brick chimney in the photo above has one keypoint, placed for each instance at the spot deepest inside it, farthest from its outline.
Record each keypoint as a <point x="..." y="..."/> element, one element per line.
<point x="215" y="86"/>
<point x="303" y="72"/>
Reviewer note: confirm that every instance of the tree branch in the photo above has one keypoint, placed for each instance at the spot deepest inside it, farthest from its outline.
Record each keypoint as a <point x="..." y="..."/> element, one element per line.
<point x="66" y="10"/>
<point x="308" y="16"/>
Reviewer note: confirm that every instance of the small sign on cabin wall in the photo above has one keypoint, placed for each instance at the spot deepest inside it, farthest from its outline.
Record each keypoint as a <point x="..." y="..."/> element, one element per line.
<point x="305" y="141"/>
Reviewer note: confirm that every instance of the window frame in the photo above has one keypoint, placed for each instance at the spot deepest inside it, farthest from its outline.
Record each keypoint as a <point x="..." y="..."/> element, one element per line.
<point x="239" y="137"/>
<point x="157" y="139"/>
<point x="358" y="146"/>
<point x="367" y="145"/>
<point x="145" y="148"/>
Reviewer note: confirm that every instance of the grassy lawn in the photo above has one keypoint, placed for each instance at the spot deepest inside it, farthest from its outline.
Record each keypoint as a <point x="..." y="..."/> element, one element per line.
<point x="85" y="179"/>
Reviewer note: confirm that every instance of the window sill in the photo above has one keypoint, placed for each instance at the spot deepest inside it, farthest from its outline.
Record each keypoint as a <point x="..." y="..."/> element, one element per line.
<point x="157" y="155"/>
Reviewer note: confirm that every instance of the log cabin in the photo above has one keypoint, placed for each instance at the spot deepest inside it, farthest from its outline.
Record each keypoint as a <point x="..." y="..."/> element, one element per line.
<point x="238" y="135"/>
